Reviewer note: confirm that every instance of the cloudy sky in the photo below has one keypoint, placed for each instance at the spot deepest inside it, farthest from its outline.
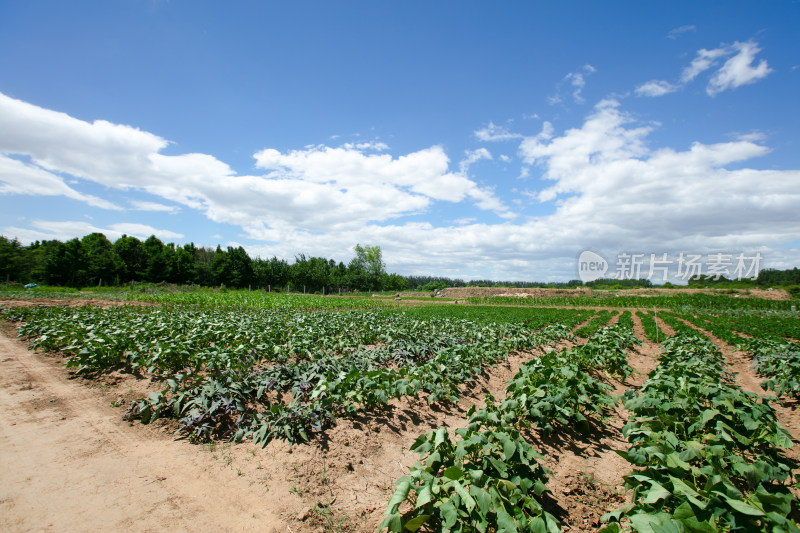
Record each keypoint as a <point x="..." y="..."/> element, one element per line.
<point x="466" y="139"/>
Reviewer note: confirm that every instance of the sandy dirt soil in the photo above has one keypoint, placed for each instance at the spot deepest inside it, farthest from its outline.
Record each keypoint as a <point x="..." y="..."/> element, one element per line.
<point x="68" y="463"/>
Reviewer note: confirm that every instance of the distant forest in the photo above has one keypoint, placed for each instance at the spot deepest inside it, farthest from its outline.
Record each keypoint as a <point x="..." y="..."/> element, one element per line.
<point x="94" y="260"/>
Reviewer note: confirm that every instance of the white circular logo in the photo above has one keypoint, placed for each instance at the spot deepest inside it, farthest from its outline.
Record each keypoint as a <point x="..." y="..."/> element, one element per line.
<point x="591" y="266"/>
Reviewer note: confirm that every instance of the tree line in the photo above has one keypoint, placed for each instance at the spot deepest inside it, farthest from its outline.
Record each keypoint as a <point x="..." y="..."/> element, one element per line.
<point x="94" y="260"/>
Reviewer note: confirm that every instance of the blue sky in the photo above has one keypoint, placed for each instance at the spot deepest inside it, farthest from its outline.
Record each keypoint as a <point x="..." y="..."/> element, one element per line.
<point x="467" y="139"/>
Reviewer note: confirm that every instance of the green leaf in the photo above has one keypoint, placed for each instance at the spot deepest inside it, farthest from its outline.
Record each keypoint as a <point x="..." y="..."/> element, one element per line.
<point x="453" y="472"/>
<point x="440" y="437"/>
<point x="656" y="492"/>
<point x="394" y="522"/>
<point x="505" y="522"/>
<point x="449" y="514"/>
<point x="415" y="523"/>
<point x="744" y="507"/>
<point x="424" y="495"/>
<point x="400" y="495"/>
<point x="682" y="489"/>
<point x="466" y="499"/>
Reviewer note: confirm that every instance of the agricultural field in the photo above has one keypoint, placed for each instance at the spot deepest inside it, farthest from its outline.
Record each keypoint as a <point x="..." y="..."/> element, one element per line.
<point x="249" y="411"/>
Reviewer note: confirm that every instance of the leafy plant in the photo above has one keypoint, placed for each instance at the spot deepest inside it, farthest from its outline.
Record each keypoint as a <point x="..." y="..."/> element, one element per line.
<point x="486" y="479"/>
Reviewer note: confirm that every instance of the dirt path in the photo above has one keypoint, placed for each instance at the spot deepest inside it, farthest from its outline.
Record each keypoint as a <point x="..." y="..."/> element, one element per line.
<point x="68" y="463"/>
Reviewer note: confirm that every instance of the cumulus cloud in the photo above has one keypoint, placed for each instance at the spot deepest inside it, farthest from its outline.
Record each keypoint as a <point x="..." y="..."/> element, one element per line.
<point x="18" y="177"/>
<point x="319" y="188"/>
<point x="739" y="69"/>
<point x="615" y="194"/>
<point x="65" y="230"/>
<point x="622" y="192"/>
<point x="611" y="191"/>
<point x="373" y="186"/>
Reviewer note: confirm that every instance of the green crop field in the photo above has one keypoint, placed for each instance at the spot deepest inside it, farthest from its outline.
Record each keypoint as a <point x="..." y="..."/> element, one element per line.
<point x="241" y="366"/>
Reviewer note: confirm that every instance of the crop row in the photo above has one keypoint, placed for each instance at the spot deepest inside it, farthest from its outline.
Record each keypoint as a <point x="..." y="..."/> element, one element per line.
<point x="706" y="455"/>
<point x="774" y="358"/>
<point x="776" y="328"/>
<point x="677" y="301"/>
<point x="276" y="373"/>
<point x="488" y="477"/>
<point x="650" y="326"/>
<point x="596" y="323"/>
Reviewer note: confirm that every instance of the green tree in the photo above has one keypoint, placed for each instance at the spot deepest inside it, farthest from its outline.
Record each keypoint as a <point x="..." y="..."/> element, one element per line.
<point x="312" y="273"/>
<point x="394" y="282"/>
<point x="240" y="272"/>
<point x="221" y="267"/>
<point x="10" y="260"/>
<point x="272" y="272"/>
<point x="157" y="260"/>
<point x="65" y="263"/>
<point x="102" y="263"/>
<point x="182" y="267"/>
<point x="203" y="272"/>
<point x="131" y="251"/>
<point x="366" y="269"/>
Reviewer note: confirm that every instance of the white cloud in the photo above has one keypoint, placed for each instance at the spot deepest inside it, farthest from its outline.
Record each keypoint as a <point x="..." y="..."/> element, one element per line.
<point x="753" y="136"/>
<point x="615" y="193"/>
<point x="366" y="146"/>
<point x="473" y="156"/>
<point x="656" y="88"/>
<point x="155" y="206"/>
<point x="621" y="193"/>
<point x="18" y="177"/>
<point x="739" y="70"/>
<point x="577" y="82"/>
<point x="99" y="151"/>
<point x="735" y="72"/>
<point x="376" y="186"/>
<point x="677" y="32"/>
<point x="493" y="132"/>
<point x="703" y="61"/>
<point x="318" y="188"/>
<point x="142" y="231"/>
<point x="66" y="230"/>
<point x="612" y="192"/>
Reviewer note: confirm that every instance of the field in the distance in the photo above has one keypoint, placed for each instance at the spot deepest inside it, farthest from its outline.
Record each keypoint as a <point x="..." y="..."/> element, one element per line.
<point x="254" y="412"/>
